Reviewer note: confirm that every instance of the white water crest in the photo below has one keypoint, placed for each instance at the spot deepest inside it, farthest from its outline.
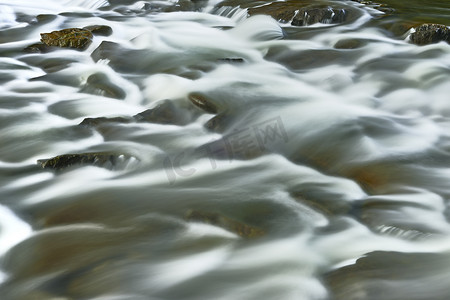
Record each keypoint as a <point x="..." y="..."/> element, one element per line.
<point x="213" y="155"/>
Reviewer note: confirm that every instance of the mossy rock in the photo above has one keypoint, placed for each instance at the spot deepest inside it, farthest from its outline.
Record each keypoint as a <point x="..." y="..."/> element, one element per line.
<point x="68" y="38"/>
<point x="305" y="13"/>
<point x="99" y="159"/>
<point x="325" y="14"/>
<point x="427" y="34"/>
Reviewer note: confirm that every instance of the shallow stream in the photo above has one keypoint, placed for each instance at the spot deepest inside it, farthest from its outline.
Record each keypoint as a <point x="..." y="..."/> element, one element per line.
<point x="247" y="158"/>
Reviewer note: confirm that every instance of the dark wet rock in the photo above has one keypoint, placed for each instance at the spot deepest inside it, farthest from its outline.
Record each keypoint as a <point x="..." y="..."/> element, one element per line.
<point x="101" y="30"/>
<point x="93" y="122"/>
<point x="118" y="57"/>
<point x="326" y="15"/>
<point x="38" y="48"/>
<point x="53" y="64"/>
<point x="45" y="18"/>
<point x="68" y="38"/>
<point x="105" y="49"/>
<point x="25" y="18"/>
<point x="384" y="275"/>
<point x="304" y="13"/>
<point x="231" y="60"/>
<point x="100" y="84"/>
<point x="99" y="159"/>
<point x="203" y="102"/>
<point x="220" y="122"/>
<point x="150" y="7"/>
<point x="280" y="11"/>
<point x="398" y="29"/>
<point x="32" y="20"/>
<point x="239" y="228"/>
<point x="430" y="33"/>
<point x="350" y="44"/>
<point x="167" y="112"/>
<point x="78" y="14"/>
<point x="188" y="5"/>
<point x="308" y="59"/>
<point x="378" y="6"/>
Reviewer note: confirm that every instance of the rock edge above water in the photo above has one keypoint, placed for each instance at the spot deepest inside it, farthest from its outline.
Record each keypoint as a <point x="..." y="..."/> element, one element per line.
<point x="74" y="38"/>
<point x="426" y="34"/>
<point x="99" y="159"/>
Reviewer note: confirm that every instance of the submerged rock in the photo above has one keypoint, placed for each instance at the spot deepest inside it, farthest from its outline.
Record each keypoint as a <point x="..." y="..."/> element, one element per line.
<point x="430" y="33"/>
<point x="168" y="112"/>
<point x="38" y="48"/>
<point x="165" y="112"/>
<point x="99" y="159"/>
<point x="350" y="44"/>
<point x="102" y="30"/>
<point x="241" y="229"/>
<point x="68" y="38"/>
<point x="384" y="275"/>
<point x="100" y="84"/>
<point x="203" y="102"/>
<point x="219" y="123"/>
<point x="92" y="122"/>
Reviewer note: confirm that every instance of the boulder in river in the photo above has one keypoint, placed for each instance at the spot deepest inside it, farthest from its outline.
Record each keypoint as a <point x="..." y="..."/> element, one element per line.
<point x="99" y="159"/>
<point x="429" y="34"/>
<point x="312" y="15"/>
<point x="68" y="38"/>
<point x="304" y="13"/>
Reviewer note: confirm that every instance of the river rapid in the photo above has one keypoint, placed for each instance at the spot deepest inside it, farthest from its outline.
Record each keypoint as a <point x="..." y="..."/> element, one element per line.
<point x="247" y="158"/>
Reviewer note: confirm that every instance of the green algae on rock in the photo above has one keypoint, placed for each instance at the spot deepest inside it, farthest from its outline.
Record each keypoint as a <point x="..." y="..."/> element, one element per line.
<point x="427" y="34"/>
<point x="68" y="38"/>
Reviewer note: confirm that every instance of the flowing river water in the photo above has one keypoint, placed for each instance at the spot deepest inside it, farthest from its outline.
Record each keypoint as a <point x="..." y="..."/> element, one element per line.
<point x="247" y="158"/>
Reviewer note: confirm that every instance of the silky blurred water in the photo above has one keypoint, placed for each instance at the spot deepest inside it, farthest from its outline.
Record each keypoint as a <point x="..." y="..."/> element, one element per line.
<point x="278" y="162"/>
